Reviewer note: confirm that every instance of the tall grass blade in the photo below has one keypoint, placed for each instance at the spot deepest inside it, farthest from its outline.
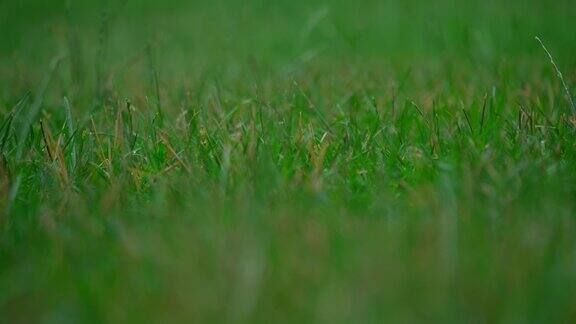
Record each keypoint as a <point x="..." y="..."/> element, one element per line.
<point x="71" y="130"/>
<point x="560" y="76"/>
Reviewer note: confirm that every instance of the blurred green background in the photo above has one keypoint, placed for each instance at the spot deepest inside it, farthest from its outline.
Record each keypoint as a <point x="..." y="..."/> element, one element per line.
<point x="191" y="35"/>
<point x="398" y="41"/>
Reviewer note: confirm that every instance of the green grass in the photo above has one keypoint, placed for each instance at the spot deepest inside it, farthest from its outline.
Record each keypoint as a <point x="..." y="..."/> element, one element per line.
<point x="287" y="161"/>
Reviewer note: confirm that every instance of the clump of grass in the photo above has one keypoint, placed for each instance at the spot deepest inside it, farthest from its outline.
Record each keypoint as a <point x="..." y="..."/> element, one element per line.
<point x="233" y="180"/>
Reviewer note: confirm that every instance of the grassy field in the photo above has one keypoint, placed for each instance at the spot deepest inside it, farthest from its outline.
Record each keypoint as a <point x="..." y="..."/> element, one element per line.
<point x="287" y="161"/>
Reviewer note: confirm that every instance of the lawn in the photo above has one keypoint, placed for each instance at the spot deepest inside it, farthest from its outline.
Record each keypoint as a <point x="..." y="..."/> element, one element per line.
<point x="281" y="161"/>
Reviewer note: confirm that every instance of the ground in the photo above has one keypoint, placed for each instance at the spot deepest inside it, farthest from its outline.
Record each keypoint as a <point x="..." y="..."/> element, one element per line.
<point x="287" y="161"/>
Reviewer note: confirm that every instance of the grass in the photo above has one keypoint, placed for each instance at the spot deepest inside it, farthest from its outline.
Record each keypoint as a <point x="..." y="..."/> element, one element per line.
<point x="302" y="161"/>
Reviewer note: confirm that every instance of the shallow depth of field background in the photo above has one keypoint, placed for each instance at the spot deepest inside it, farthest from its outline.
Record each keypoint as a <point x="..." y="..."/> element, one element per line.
<point x="287" y="161"/>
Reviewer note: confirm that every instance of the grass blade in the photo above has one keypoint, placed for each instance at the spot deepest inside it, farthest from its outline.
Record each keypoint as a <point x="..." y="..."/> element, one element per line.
<point x="559" y="74"/>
